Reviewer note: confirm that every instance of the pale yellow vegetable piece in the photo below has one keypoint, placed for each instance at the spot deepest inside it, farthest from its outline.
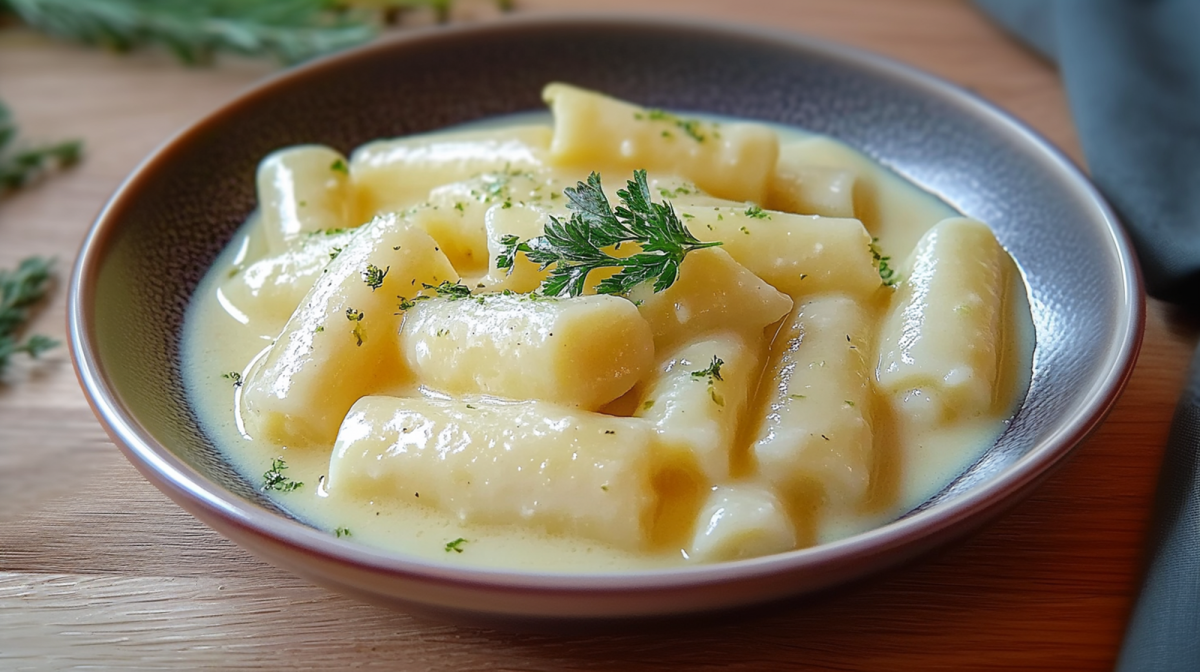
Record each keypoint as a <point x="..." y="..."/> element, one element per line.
<point x="741" y="521"/>
<point x="266" y="293"/>
<point x="799" y="255"/>
<point x="945" y="328"/>
<point x="469" y="218"/>
<point x="697" y="416"/>
<point x="727" y="160"/>
<point x="583" y="351"/>
<point x="816" y="435"/>
<point x="530" y="463"/>
<point x="340" y="344"/>
<point x="394" y="175"/>
<point x="524" y="222"/>
<point x="812" y="190"/>
<point x="893" y="209"/>
<point x="303" y="189"/>
<point x="712" y="293"/>
<point x="453" y="217"/>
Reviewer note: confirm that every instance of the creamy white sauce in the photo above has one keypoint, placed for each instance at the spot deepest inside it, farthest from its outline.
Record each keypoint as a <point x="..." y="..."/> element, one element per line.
<point x="218" y="338"/>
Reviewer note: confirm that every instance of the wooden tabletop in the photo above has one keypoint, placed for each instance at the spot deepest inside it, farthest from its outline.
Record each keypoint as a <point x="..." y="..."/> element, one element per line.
<point x="97" y="567"/>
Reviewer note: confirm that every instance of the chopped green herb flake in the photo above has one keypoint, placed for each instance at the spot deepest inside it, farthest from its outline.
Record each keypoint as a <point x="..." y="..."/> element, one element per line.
<point x="455" y="545"/>
<point x="342" y="532"/>
<point x="234" y="376"/>
<point x="756" y="212"/>
<point x="339" y="166"/>
<point x="886" y="273"/>
<point x="692" y="127"/>
<point x="273" y="478"/>
<point x="450" y="290"/>
<point x="374" y="276"/>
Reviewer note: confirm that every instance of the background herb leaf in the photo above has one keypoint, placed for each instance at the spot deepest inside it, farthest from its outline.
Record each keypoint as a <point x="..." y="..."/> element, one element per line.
<point x="20" y="165"/>
<point x="290" y="30"/>
<point x="20" y="289"/>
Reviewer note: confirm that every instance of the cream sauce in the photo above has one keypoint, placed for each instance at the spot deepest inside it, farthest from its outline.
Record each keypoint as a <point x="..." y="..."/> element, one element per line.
<point x="910" y="464"/>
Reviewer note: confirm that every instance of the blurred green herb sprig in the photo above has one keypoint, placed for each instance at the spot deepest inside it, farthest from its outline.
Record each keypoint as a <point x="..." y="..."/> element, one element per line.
<point x="19" y="290"/>
<point x="194" y="30"/>
<point x="25" y="285"/>
<point x="20" y="164"/>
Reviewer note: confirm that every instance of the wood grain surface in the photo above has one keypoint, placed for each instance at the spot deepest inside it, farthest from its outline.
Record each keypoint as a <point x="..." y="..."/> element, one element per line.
<point x="98" y="569"/>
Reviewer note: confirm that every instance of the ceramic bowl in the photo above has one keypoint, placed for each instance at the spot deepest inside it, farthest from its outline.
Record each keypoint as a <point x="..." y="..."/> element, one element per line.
<point x="154" y="241"/>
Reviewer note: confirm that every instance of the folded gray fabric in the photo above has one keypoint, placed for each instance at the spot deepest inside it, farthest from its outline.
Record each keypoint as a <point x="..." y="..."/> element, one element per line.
<point x="1132" y="74"/>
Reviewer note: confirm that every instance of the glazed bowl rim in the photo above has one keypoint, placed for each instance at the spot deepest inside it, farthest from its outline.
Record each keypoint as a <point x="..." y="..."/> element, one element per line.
<point x="188" y="487"/>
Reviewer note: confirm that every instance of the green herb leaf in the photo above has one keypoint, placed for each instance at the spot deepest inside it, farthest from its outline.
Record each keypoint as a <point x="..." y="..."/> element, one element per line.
<point x="374" y="276"/>
<point x="20" y="165"/>
<point x="756" y="212"/>
<point x="713" y="372"/>
<point x="886" y="273"/>
<point x="342" y="532"/>
<point x="575" y="247"/>
<point x="450" y="290"/>
<point x="455" y="545"/>
<point x="273" y="478"/>
<point x="20" y="289"/>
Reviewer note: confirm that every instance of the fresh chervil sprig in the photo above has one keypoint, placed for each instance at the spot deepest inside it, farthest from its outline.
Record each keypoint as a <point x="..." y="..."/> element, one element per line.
<point x="576" y="247"/>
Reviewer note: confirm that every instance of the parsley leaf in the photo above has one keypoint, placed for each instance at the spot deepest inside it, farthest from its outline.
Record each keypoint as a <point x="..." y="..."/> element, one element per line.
<point x="575" y="247"/>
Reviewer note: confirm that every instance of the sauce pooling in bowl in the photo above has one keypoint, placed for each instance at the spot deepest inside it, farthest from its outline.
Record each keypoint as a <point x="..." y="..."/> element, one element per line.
<point x="623" y="339"/>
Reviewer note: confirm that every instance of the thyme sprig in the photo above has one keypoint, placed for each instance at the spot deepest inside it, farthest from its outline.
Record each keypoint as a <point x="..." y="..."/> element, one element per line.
<point x="577" y="246"/>
<point x="21" y="164"/>
<point x="20" y="289"/>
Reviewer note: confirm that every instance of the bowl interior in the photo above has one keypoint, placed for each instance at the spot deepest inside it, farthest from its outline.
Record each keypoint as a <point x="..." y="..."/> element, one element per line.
<point x="166" y="227"/>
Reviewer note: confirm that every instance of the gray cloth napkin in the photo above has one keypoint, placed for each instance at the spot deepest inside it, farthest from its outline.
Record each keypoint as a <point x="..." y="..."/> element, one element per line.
<point x="1132" y="74"/>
